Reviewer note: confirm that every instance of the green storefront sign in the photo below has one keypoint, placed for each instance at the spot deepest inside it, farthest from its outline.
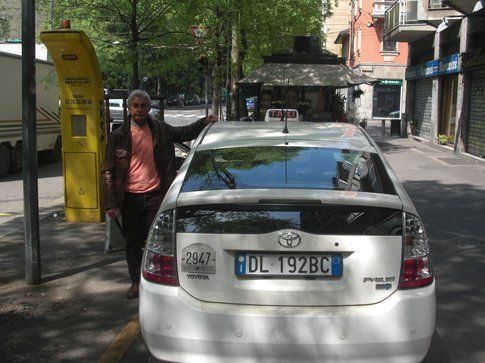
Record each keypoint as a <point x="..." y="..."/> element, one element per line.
<point x="391" y="82"/>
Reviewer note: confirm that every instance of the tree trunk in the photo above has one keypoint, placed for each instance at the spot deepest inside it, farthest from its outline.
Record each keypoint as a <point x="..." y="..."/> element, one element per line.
<point x="134" y="45"/>
<point x="218" y="69"/>
<point x="243" y="110"/>
<point x="235" y="65"/>
<point x="159" y="85"/>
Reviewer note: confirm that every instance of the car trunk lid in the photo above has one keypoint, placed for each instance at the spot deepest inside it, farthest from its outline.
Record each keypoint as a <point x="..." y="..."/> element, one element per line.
<point x="363" y="234"/>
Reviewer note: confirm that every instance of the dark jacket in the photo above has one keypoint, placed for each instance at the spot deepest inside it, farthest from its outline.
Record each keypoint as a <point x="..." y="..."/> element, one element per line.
<point x="118" y="156"/>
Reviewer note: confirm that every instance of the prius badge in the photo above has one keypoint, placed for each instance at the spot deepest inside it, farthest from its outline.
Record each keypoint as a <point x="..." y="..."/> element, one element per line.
<point x="289" y="239"/>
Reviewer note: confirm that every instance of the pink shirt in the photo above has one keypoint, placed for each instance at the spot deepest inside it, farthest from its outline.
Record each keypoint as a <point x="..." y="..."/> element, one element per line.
<point x="142" y="175"/>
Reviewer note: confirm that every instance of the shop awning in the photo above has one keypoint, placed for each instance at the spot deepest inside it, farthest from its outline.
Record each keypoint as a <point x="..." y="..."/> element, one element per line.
<point x="341" y="36"/>
<point x="306" y="75"/>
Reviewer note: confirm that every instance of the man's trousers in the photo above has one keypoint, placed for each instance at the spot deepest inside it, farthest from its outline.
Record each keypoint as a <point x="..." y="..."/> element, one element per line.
<point x="138" y="212"/>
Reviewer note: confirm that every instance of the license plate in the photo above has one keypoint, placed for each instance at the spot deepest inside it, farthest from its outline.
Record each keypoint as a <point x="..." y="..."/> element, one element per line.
<point x="301" y="265"/>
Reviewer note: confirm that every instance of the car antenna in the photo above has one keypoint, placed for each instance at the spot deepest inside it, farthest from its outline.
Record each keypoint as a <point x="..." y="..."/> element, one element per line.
<point x="283" y="112"/>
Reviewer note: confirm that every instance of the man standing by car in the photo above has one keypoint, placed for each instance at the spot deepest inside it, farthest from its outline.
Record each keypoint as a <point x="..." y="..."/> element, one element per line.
<point x="138" y="170"/>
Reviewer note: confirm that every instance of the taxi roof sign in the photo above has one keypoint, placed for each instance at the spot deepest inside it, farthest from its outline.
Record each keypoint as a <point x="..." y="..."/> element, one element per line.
<point x="278" y="114"/>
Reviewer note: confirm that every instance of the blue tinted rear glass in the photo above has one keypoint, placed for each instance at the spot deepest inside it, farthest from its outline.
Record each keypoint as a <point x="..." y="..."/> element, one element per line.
<point x="286" y="167"/>
<point x="315" y="219"/>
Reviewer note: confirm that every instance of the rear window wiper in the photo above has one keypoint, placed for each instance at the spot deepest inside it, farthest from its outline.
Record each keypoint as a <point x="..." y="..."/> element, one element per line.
<point x="223" y="174"/>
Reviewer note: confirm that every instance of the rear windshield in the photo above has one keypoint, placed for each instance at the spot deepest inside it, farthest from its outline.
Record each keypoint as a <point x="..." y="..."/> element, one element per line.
<point x="278" y="167"/>
<point x="258" y="219"/>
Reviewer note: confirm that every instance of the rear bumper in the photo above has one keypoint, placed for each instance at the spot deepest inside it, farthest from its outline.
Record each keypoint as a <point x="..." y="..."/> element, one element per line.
<point x="176" y="327"/>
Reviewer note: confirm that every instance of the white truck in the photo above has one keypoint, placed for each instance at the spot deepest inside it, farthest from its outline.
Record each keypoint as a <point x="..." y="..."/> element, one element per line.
<point x="48" y="117"/>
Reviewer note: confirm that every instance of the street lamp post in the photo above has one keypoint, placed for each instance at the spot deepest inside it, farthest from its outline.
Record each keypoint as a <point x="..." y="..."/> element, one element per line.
<point x="29" y="146"/>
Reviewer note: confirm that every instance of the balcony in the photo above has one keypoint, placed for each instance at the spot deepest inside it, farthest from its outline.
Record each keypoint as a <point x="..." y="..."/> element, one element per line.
<point x="379" y="8"/>
<point x="466" y="7"/>
<point x="405" y="21"/>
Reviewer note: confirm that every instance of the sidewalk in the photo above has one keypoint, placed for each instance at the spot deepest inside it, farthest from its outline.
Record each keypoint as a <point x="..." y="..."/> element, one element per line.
<point x="448" y="191"/>
<point x="80" y="306"/>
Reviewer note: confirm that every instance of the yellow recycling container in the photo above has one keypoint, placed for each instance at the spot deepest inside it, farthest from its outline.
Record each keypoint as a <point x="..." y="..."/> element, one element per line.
<point x="82" y="121"/>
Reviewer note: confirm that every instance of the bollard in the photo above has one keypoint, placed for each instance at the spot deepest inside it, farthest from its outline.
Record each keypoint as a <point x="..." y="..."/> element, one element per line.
<point x="113" y="238"/>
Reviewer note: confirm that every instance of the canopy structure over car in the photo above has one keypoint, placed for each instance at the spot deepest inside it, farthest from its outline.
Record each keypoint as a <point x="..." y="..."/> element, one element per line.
<point x="306" y="75"/>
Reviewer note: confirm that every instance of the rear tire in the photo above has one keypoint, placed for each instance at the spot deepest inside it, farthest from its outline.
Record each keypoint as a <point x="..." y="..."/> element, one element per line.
<point x="4" y="159"/>
<point x="17" y="158"/>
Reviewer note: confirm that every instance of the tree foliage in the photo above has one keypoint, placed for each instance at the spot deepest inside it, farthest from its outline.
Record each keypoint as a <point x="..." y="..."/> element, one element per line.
<point x="150" y="39"/>
<point x="253" y="29"/>
<point x="4" y="23"/>
<point x="124" y="32"/>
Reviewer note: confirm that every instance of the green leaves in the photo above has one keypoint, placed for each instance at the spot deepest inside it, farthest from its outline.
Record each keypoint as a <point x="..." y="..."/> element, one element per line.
<point x="4" y="23"/>
<point x="151" y="38"/>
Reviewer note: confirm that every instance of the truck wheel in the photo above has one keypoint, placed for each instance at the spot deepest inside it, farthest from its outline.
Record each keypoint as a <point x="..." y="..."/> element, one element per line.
<point x="4" y="159"/>
<point x="56" y="154"/>
<point x="17" y="159"/>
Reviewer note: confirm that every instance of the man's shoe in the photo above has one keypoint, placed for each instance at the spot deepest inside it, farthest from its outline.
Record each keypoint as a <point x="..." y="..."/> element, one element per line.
<point x="132" y="292"/>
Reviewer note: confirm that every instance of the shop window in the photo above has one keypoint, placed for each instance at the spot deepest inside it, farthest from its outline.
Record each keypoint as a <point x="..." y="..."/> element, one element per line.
<point x="386" y="101"/>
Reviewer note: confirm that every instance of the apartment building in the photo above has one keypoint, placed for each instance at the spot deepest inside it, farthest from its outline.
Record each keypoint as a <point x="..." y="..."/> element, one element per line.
<point x="370" y="52"/>
<point x="446" y="69"/>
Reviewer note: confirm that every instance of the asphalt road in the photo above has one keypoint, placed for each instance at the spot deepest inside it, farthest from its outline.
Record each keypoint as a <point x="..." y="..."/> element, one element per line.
<point x="50" y="191"/>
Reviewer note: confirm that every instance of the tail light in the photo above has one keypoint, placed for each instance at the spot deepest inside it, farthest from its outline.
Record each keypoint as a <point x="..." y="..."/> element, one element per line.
<point x="417" y="271"/>
<point x="159" y="262"/>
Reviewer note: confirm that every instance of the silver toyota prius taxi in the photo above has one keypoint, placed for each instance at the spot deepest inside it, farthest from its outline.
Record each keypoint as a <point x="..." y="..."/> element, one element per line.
<point x="287" y="247"/>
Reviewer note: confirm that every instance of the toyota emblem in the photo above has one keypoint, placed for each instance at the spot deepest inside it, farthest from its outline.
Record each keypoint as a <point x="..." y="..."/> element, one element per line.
<point x="289" y="239"/>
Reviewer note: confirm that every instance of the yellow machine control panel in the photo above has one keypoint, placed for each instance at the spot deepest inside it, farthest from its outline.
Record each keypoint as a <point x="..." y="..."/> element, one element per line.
<point x="82" y="121"/>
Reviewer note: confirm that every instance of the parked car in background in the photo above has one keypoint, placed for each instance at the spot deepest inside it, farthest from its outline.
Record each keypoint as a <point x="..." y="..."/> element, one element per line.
<point x="155" y="110"/>
<point x="116" y="113"/>
<point x="173" y="101"/>
<point x="192" y="100"/>
<point x="287" y="247"/>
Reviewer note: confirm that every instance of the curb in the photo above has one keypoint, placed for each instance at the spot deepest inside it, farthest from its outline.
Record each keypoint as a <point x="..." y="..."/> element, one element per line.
<point x="477" y="160"/>
<point x="44" y="214"/>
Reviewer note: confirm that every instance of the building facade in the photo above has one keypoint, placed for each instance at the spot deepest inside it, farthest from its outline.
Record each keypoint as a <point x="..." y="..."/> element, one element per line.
<point x="446" y="70"/>
<point x="370" y="52"/>
<point x="338" y="21"/>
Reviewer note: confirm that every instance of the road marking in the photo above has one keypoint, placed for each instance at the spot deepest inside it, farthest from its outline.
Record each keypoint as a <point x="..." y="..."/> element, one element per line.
<point x="121" y="343"/>
<point x="8" y="214"/>
<point x="436" y="158"/>
<point x="439" y="161"/>
<point x="184" y="115"/>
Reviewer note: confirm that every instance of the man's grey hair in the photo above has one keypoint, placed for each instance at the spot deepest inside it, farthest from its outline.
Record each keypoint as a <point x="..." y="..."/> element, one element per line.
<point x="139" y="93"/>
